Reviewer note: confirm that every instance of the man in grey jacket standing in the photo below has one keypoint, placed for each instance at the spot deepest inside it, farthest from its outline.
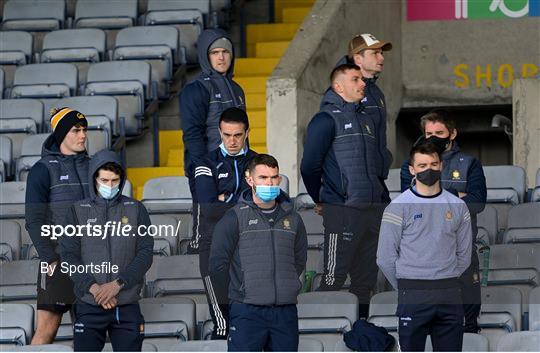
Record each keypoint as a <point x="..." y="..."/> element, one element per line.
<point x="261" y="243"/>
<point x="108" y="260"/>
<point x="424" y="247"/>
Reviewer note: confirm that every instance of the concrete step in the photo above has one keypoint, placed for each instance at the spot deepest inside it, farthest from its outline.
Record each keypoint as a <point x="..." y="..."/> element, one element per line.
<point x="254" y="66"/>
<point x="269" y="32"/>
<point x="271" y="49"/>
<point x="168" y="140"/>
<point x="256" y="100"/>
<point x="257" y="118"/>
<point x="295" y="14"/>
<point x="279" y="5"/>
<point x="259" y="148"/>
<point x="252" y="84"/>
<point x="176" y="158"/>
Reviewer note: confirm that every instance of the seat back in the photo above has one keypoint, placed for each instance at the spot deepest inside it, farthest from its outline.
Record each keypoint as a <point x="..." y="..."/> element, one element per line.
<point x="17" y="324"/>
<point x="12" y="196"/>
<point x="6" y="156"/>
<point x="22" y="109"/>
<point x="74" y="45"/>
<point x="16" y="48"/>
<point x="34" y="15"/>
<point x="526" y="341"/>
<point x="535" y="197"/>
<point x="534" y="309"/>
<point x="505" y="184"/>
<point x="488" y="225"/>
<point x="105" y="14"/>
<point x="18" y="281"/>
<point x="10" y="240"/>
<point x="393" y="183"/>
<point x="185" y="280"/>
<point x="167" y="194"/>
<point x="45" y="81"/>
<point x="523" y="224"/>
<point x="169" y="317"/>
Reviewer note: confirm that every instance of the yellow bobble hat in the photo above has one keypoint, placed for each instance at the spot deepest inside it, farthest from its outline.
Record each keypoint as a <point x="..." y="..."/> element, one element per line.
<point x="63" y="119"/>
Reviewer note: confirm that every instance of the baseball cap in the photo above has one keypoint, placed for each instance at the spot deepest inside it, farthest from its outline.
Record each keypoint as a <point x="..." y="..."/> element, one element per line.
<point x="367" y="41"/>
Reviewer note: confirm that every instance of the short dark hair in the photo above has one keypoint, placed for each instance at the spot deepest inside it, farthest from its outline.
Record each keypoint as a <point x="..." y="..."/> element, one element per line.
<point x="438" y="116"/>
<point x="234" y="115"/>
<point x="428" y="148"/>
<point x="111" y="167"/>
<point x="341" y="69"/>
<point x="264" y="159"/>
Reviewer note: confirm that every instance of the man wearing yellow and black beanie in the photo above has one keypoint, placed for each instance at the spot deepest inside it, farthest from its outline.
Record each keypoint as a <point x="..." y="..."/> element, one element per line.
<point x="57" y="180"/>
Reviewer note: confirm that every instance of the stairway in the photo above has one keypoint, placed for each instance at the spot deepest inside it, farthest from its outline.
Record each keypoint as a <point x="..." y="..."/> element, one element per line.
<point x="266" y="43"/>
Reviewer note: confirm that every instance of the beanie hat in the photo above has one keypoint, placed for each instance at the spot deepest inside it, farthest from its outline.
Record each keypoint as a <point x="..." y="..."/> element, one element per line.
<point x="221" y="43"/>
<point x="63" y="119"/>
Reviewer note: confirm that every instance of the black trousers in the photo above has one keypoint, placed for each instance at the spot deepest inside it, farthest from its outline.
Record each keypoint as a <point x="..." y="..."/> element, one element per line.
<point x="434" y="312"/>
<point x="471" y="294"/>
<point x="125" y="325"/>
<point x="256" y="328"/>
<point x="350" y="247"/>
<point x="217" y="297"/>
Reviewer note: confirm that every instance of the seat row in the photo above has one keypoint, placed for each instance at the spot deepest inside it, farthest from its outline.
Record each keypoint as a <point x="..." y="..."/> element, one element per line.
<point x="160" y="46"/>
<point x="191" y="16"/>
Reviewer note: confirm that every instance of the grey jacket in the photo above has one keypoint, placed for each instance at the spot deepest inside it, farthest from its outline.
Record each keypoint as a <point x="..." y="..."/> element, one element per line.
<point x="132" y="254"/>
<point x="263" y="259"/>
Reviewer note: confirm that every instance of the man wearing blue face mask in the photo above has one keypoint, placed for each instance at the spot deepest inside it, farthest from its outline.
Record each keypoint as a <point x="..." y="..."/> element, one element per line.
<point x="113" y="235"/>
<point x="463" y="176"/>
<point x="219" y="180"/>
<point x="261" y="245"/>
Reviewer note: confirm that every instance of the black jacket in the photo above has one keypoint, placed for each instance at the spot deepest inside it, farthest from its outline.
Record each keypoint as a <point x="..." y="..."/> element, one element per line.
<point x="263" y="255"/>
<point x="132" y="254"/>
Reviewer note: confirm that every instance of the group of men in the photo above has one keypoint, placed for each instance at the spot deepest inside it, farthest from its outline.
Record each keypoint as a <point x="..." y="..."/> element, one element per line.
<point x="252" y="244"/>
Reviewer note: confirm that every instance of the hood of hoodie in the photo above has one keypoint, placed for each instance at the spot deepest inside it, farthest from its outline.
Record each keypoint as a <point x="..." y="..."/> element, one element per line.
<point x="332" y="99"/>
<point x="206" y="39"/>
<point x="283" y="200"/>
<point x="97" y="161"/>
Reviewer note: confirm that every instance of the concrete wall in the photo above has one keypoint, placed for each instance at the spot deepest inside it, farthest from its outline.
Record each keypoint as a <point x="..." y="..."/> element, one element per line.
<point x="526" y="115"/>
<point x="467" y="62"/>
<point x="295" y="89"/>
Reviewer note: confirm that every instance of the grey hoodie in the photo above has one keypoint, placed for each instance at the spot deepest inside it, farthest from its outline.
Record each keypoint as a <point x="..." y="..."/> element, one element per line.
<point x="132" y="254"/>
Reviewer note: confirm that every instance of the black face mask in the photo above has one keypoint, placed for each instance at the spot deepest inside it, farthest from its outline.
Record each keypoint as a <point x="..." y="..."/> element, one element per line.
<point x="439" y="142"/>
<point x="429" y="177"/>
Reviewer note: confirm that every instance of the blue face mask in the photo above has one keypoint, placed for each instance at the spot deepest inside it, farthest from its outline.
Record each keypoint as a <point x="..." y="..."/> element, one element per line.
<point x="108" y="192"/>
<point x="267" y="193"/>
<point x="226" y="153"/>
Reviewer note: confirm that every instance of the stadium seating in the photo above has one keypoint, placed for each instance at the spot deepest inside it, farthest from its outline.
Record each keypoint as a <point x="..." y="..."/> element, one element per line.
<point x="43" y="348"/>
<point x="534" y="309"/>
<point x="16" y="326"/>
<point x="78" y="46"/>
<point x="513" y="265"/>
<point x="526" y="341"/>
<point x="30" y="154"/>
<point x="523" y="224"/>
<point x="105" y="14"/>
<point x="19" y="118"/>
<point x="19" y="280"/>
<point x="157" y="45"/>
<point x="6" y="157"/>
<point x="47" y="82"/>
<point x="130" y="83"/>
<point x="488" y="227"/>
<point x="382" y="310"/>
<point x="202" y="346"/>
<point x="505" y="184"/>
<point x="2" y="82"/>
<point x="10" y="241"/>
<point x="16" y="50"/>
<point x="128" y="189"/>
<point x="500" y="313"/>
<point x="168" y="321"/>
<point x="34" y="15"/>
<point x="536" y="192"/>
<point x="167" y="195"/>
<point x="393" y="183"/>
<point x="12" y="194"/>
<point x="326" y="316"/>
<point x="187" y="16"/>
<point x="284" y="185"/>
<point x="166" y="243"/>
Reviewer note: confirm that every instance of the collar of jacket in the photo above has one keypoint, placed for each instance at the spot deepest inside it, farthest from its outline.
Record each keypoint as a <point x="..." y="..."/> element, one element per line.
<point x="447" y="155"/>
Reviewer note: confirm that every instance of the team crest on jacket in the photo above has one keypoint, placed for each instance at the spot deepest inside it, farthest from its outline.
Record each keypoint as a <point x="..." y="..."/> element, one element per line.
<point x="449" y="216"/>
<point x="286" y="224"/>
<point x="125" y="220"/>
<point x="456" y="175"/>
